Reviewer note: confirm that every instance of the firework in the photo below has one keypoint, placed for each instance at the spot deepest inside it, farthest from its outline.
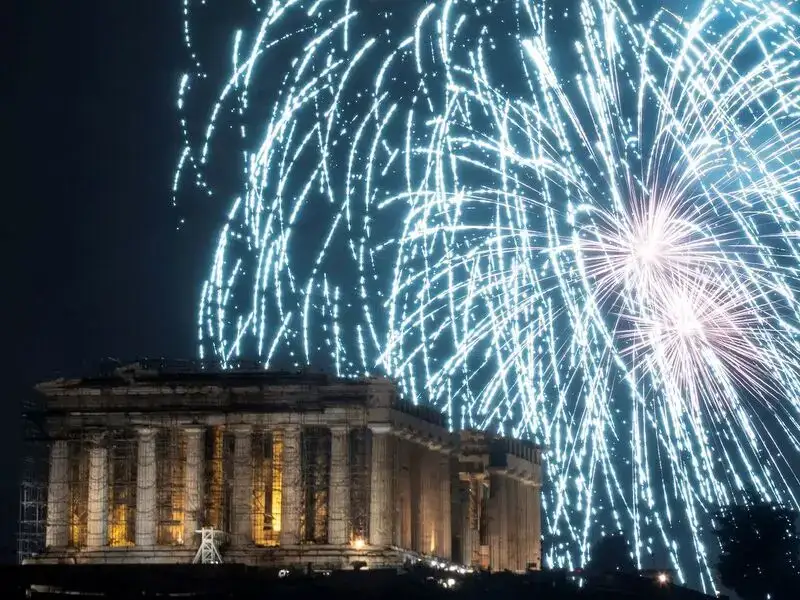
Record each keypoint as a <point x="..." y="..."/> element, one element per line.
<point x="592" y="245"/>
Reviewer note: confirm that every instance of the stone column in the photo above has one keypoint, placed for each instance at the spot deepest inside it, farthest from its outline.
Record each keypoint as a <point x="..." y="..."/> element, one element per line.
<point x="339" y="487"/>
<point x="57" y="535"/>
<point x="505" y="492"/>
<point x="469" y="521"/>
<point x="531" y="535"/>
<point x="445" y="500"/>
<point x="146" y="511"/>
<point x="514" y="523"/>
<point x="416" y="505"/>
<point x="497" y="506"/>
<point x="291" y="486"/>
<point x="483" y="506"/>
<point x="97" y="509"/>
<point x="527" y="545"/>
<point x="381" y="514"/>
<point x="242" y="526"/>
<point x="430" y="502"/>
<point x="534" y="494"/>
<point x="193" y="483"/>
<point x="403" y="537"/>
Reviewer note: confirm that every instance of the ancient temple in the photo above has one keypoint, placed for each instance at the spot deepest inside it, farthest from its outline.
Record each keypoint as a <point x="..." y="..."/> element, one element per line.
<point x="289" y="469"/>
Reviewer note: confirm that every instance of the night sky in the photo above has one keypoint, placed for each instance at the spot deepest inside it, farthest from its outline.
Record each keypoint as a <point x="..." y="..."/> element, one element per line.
<point x="97" y="266"/>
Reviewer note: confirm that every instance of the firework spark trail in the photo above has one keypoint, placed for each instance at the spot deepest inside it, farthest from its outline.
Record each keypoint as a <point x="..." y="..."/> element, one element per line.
<point x="605" y="263"/>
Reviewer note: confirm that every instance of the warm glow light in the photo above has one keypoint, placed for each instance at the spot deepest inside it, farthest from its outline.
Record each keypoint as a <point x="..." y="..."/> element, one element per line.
<point x="118" y="535"/>
<point x="358" y="544"/>
<point x="663" y="578"/>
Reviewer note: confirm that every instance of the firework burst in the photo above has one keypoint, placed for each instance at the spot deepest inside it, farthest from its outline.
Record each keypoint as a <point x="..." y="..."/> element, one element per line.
<point x="594" y="247"/>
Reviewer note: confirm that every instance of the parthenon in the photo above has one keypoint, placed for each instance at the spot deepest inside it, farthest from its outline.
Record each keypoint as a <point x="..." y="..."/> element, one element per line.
<point x="290" y="468"/>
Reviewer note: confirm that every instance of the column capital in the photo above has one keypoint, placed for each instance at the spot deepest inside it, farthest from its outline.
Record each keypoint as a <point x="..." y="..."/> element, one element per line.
<point x="380" y="428"/>
<point x="97" y="440"/>
<point x="194" y="430"/>
<point x="241" y="429"/>
<point x="59" y="445"/>
<point x="339" y="428"/>
<point x="146" y="433"/>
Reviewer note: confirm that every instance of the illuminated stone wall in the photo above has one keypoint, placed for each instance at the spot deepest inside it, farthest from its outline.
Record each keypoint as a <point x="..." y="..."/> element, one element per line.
<point x="341" y="470"/>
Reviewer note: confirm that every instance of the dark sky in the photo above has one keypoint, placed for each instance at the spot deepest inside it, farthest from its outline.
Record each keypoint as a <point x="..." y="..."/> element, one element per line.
<point x="97" y="266"/>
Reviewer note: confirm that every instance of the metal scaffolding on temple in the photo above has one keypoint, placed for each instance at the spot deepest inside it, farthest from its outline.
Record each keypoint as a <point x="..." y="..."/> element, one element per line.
<point x="150" y="463"/>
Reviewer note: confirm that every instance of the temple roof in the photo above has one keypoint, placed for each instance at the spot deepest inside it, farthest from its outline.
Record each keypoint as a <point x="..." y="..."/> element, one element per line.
<point x="161" y="373"/>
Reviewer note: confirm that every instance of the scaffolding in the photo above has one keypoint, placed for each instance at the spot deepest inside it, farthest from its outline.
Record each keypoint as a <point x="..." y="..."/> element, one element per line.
<point x="33" y="487"/>
<point x="78" y="486"/>
<point x="359" y="456"/>
<point x="122" y="490"/>
<point x="217" y="446"/>
<point x="315" y="469"/>
<point x="208" y="552"/>
<point x="109" y="472"/>
<point x="170" y="485"/>
<point x="267" y="484"/>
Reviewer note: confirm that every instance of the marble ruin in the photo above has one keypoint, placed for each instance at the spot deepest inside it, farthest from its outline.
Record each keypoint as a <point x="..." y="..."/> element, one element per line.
<point x="288" y="469"/>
